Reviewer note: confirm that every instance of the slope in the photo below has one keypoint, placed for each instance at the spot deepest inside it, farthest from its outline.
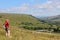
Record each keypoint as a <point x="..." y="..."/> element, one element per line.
<point x="18" y="33"/>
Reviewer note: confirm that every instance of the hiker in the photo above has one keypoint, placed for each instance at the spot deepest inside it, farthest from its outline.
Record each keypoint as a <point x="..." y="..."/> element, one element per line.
<point x="6" y="27"/>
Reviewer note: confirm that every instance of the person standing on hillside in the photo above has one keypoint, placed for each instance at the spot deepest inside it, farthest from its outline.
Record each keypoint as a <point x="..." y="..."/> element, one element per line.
<point x="6" y="26"/>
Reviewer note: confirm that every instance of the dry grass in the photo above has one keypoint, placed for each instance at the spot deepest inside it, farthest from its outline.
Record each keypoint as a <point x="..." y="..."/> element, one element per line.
<point x="22" y="34"/>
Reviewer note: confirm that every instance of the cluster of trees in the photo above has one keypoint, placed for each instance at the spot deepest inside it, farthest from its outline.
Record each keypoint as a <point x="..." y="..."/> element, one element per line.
<point x="0" y="16"/>
<point x="40" y="26"/>
<point x="55" y="25"/>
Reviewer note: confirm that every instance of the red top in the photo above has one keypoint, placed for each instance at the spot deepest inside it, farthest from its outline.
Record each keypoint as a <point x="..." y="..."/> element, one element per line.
<point x="6" y="24"/>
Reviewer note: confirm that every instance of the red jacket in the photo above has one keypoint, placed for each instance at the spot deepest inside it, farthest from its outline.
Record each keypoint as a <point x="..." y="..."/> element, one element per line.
<point x="6" y="24"/>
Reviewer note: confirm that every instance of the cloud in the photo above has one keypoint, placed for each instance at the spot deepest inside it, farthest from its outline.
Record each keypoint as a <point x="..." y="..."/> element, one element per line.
<point x="49" y="4"/>
<point x="23" y="7"/>
<point x="55" y="3"/>
<point x="50" y="7"/>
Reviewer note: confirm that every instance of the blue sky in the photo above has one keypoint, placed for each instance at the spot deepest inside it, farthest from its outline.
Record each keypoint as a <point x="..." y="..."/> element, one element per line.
<point x="12" y="3"/>
<point x="33" y="7"/>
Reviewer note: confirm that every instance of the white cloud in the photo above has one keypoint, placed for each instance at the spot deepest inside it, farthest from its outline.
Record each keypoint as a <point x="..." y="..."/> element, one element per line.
<point x="50" y="7"/>
<point x="20" y="8"/>
<point x="49" y="4"/>
<point x="58" y="6"/>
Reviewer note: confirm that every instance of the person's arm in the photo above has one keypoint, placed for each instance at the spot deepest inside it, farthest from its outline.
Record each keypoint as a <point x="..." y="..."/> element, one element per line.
<point x="4" y="25"/>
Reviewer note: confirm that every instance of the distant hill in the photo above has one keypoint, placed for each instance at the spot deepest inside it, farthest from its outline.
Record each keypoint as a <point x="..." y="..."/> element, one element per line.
<point x="54" y="18"/>
<point x="51" y="18"/>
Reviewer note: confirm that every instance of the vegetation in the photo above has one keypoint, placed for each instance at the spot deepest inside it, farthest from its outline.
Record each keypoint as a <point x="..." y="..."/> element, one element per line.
<point x="19" y="23"/>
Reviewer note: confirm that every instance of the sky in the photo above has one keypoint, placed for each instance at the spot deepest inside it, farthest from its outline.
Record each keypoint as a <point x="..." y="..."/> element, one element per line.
<point x="33" y="7"/>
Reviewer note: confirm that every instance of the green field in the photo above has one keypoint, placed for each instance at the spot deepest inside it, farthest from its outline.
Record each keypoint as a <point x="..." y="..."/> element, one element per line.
<point x="18" y="33"/>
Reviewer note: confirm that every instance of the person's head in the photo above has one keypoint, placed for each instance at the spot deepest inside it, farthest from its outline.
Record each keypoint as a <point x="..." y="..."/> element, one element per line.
<point x="6" y="20"/>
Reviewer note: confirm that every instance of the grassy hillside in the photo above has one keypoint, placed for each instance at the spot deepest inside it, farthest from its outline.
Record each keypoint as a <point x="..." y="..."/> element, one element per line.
<point x="18" y="33"/>
<point x="23" y="20"/>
